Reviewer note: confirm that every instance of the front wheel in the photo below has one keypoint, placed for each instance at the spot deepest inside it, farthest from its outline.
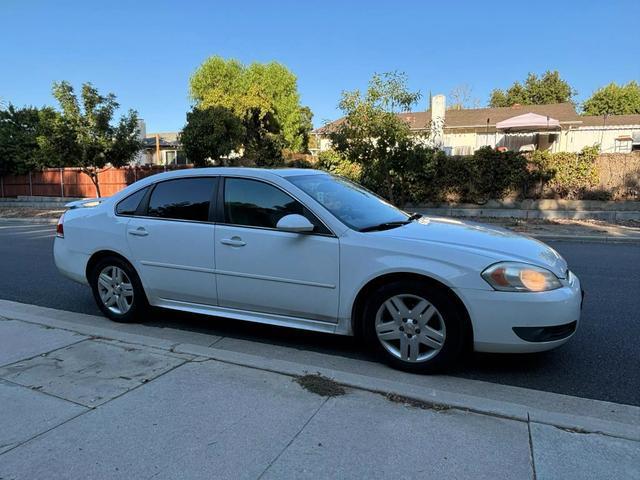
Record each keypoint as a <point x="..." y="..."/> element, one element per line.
<point x="413" y="326"/>
<point x="117" y="290"/>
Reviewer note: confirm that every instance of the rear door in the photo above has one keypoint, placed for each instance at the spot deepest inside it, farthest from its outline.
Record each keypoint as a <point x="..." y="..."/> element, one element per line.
<point x="263" y="269"/>
<point x="172" y="241"/>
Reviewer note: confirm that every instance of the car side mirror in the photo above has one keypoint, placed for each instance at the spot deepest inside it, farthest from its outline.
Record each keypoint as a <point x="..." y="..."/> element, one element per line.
<point x="294" y="223"/>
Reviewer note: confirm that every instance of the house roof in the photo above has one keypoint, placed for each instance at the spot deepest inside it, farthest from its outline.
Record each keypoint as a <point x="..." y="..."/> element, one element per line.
<point x="599" y="120"/>
<point x="565" y="113"/>
<point x="167" y="139"/>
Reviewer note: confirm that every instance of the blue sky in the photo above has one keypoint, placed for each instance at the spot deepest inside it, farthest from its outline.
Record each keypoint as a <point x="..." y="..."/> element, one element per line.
<point x="145" y="51"/>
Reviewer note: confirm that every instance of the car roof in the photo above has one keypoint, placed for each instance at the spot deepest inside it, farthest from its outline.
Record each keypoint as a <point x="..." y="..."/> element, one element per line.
<point x="281" y="172"/>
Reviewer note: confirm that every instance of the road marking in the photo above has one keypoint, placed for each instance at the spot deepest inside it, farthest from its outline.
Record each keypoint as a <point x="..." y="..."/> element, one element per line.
<point x="37" y="225"/>
<point x="42" y="236"/>
<point x="29" y="232"/>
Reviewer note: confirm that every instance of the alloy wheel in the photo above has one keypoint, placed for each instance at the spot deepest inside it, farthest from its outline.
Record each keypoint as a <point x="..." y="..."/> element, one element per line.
<point x="410" y="328"/>
<point x="115" y="289"/>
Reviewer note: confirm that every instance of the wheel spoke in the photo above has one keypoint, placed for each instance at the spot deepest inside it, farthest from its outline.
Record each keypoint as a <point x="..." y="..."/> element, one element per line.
<point x="117" y="274"/>
<point x="419" y="309"/>
<point x="431" y="338"/>
<point x="397" y="308"/>
<point x="391" y="308"/>
<point x="404" y="347"/>
<point x="414" y="348"/>
<point x="122" y="304"/>
<point x="110" y="300"/>
<point x="127" y="289"/>
<point x="105" y="281"/>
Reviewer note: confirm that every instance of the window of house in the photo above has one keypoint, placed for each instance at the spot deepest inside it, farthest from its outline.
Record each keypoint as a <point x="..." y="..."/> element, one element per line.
<point x="129" y="205"/>
<point x="182" y="199"/>
<point x="257" y="204"/>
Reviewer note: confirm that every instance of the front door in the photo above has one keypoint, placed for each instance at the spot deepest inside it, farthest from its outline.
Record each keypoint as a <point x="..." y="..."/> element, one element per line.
<point x="173" y="242"/>
<point x="263" y="269"/>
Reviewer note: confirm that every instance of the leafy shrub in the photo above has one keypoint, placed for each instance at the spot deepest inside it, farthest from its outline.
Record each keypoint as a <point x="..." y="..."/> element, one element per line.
<point x="567" y="175"/>
<point x="333" y="162"/>
<point x="494" y="174"/>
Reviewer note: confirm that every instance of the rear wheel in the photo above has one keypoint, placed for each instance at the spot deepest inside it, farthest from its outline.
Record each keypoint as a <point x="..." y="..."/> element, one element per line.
<point x="117" y="290"/>
<point x="413" y="326"/>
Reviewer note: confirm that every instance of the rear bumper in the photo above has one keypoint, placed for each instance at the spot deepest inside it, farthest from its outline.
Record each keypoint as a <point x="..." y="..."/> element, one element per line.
<point x="513" y="322"/>
<point x="71" y="264"/>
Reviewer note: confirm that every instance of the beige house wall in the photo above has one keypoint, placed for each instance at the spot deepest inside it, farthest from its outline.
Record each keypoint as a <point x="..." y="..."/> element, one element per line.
<point x="572" y="139"/>
<point x="604" y="136"/>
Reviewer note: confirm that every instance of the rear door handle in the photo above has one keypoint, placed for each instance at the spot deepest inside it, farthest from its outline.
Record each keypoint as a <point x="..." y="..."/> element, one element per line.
<point x="233" y="241"/>
<point x="139" y="232"/>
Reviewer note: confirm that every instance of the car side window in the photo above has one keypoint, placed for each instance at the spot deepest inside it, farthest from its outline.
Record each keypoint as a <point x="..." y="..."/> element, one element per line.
<point x="130" y="204"/>
<point x="257" y="204"/>
<point x="182" y="199"/>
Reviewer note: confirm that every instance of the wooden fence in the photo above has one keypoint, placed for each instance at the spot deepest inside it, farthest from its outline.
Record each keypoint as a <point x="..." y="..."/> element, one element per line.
<point x="71" y="182"/>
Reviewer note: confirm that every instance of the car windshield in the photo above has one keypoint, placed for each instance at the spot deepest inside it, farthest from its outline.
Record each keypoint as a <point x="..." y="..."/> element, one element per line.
<point x="353" y="205"/>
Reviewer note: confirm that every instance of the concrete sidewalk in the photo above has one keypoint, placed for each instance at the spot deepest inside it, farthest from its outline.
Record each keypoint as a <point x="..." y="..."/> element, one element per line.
<point x="78" y="401"/>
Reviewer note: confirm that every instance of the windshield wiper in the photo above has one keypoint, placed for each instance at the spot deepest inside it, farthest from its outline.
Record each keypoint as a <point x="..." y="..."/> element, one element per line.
<point x="384" y="226"/>
<point x="390" y="225"/>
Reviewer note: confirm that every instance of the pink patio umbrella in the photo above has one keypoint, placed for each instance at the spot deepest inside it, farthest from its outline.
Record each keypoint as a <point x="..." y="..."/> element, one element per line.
<point x="528" y="122"/>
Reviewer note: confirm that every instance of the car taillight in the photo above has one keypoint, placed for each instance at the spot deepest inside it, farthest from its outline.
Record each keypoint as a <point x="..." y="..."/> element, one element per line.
<point x="60" y="227"/>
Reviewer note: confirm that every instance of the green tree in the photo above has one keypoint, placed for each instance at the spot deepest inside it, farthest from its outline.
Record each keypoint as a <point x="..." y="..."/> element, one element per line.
<point x="374" y="137"/>
<point x="19" y="130"/>
<point x="614" y="100"/>
<point x="82" y="134"/>
<point x="258" y="90"/>
<point x="211" y="133"/>
<point x="548" y="88"/>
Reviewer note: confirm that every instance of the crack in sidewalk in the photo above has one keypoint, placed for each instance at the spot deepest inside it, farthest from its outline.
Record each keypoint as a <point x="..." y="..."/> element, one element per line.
<point x="533" y="460"/>
<point x="286" y="447"/>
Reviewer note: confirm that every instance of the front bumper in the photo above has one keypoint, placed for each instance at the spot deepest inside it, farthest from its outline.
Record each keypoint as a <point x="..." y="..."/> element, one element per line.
<point x="543" y="320"/>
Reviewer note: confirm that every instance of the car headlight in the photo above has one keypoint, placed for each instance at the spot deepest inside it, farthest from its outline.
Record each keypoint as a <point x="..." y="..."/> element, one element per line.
<point x="520" y="277"/>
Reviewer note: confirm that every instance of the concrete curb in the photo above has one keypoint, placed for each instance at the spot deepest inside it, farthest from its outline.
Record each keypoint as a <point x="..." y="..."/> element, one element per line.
<point x="572" y="413"/>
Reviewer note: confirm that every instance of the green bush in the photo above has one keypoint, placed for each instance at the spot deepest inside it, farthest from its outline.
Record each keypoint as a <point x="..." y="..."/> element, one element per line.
<point x="565" y="174"/>
<point x="495" y="174"/>
<point x="333" y="162"/>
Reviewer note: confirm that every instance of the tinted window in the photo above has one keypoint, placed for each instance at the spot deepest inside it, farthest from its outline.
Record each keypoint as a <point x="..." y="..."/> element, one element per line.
<point x="258" y="204"/>
<point x="354" y="205"/>
<point x="183" y="199"/>
<point x="129" y="205"/>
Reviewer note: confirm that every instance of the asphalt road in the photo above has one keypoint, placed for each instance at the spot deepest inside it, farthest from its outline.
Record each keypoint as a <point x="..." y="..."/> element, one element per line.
<point x="602" y="361"/>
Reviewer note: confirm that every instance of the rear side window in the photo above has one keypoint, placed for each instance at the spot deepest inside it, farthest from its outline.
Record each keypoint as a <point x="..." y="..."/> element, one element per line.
<point x="182" y="199"/>
<point x="257" y="204"/>
<point x="129" y="205"/>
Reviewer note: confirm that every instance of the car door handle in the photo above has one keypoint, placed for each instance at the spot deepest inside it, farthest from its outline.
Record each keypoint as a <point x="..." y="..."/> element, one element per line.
<point x="139" y="232"/>
<point x="234" y="242"/>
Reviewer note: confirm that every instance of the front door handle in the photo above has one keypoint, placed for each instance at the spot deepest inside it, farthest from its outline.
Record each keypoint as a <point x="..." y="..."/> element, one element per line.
<point x="139" y="232"/>
<point x="233" y="241"/>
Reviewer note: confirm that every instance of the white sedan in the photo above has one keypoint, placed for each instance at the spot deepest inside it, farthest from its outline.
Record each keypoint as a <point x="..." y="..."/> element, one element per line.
<point x="305" y="249"/>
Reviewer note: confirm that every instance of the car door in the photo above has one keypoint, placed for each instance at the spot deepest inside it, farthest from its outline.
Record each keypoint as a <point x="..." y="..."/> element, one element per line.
<point x="172" y="240"/>
<point x="263" y="269"/>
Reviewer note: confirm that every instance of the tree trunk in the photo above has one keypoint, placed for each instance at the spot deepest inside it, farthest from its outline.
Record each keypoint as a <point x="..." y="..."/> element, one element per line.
<point x="93" y="175"/>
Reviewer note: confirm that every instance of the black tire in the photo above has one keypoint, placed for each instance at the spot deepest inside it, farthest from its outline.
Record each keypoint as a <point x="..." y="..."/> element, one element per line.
<point x="138" y="306"/>
<point x="449" y="314"/>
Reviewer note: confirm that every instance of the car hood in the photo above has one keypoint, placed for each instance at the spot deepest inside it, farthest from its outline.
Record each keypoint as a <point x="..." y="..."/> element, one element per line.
<point x="494" y="242"/>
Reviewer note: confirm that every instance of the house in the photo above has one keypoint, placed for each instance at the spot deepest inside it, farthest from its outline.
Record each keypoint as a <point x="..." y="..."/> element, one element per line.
<point x="158" y="148"/>
<point x="554" y="127"/>
<point x="163" y="148"/>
